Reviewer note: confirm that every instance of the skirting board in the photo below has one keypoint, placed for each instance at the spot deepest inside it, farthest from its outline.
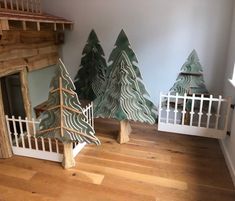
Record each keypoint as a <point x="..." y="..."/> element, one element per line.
<point x="228" y="161"/>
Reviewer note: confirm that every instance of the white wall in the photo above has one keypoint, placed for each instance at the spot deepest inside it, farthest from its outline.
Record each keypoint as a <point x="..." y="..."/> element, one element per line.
<point x="229" y="143"/>
<point x="162" y="33"/>
<point x="39" y="83"/>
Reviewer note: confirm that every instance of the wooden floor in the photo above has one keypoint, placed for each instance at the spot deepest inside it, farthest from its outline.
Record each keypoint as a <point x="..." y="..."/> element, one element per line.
<point x="153" y="166"/>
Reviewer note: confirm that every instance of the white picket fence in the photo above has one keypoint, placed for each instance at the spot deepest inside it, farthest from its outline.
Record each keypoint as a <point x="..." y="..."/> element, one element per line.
<point x="194" y="115"/>
<point x="22" y="135"/>
<point x="29" y="6"/>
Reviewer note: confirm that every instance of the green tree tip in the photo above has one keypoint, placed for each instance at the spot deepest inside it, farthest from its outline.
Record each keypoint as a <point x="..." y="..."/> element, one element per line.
<point x="122" y="39"/>
<point x="93" y="37"/>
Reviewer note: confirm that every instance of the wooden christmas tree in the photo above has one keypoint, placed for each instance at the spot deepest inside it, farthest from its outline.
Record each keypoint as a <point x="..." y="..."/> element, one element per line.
<point x="124" y="97"/>
<point x="64" y="118"/>
<point x="190" y="80"/>
<point x="90" y="79"/>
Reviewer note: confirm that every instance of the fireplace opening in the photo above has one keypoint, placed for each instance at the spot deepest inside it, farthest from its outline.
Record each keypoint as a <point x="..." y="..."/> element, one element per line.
<point x="12" y="95"/>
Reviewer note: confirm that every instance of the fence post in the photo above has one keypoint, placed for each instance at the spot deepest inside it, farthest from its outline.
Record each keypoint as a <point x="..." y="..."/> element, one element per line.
<point x="168" y="107"/>
<point x="218" y="112"/>
<point x="184" y="108"/>
<point x="15" y="131"/>
<point x="21" y="132"/>
<point x="209" y="112"/>
<point x="229" y="99"/>
<point x="160" y="108"/>
<point x="92" y="115"/>
<point x="28" y="132"/>
<point x="192" y="110"/>
<point x="200" y="110"/>
<point x="176" y="108"/>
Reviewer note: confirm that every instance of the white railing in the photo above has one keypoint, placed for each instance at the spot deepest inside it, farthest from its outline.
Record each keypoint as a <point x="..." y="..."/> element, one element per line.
<point x="22" y="135"/>
<point x="29" y="6"/>
<point x="88" y="111"/>
<point x="194" y="115"/>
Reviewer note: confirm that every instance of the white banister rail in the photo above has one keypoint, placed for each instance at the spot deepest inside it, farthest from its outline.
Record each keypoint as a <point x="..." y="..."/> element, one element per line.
<point x="194" y="115"/>
<point x="24" y="142"/>
<point x="29" y="6"/>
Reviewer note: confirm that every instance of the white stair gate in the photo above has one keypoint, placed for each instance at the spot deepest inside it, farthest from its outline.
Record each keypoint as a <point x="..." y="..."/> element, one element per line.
<point x="194" y="115"/>
<point x="22" y="135"/>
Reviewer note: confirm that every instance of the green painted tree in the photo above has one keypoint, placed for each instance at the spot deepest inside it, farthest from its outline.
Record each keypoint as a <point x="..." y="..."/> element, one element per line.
<point x="124" y="97"/>
<point x="64" y="118"/>
<point x="190" y="80"/>
<point x="90" y="79"/>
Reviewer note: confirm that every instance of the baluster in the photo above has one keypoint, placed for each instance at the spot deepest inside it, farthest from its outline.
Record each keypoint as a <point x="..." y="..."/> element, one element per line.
<point x="192" y="110"/>
<point x="184" y="108"/>
<point x="34" y="134"/>
<point x="21" y="132"/>
<point x="229" y="99"/>
<point x="9" y="130"/>
<point x="209" y="112"/>
<point x="27" y="5"/>
<point x="15" y="131"/>
<point x="43" y="143"/>
<point x="92" y="113"/>
<point x="39" y="6"/>
<point x="5" y="4"/>
<point x="50" y="147"/>
<point x="28" y="132"/>
<point x="200" y="111"/>
<point x="160" y="108"/>
<point x="22" y="5"/>
<point x="55" y="27"/>
<point x="85" y="112"/>
<point x="57" y="146"/>
<point x="31" y="5"/>
<point x="38" y="26"/>
<point x="17" y="5"/>
<point x="11" y="3"/>
<point x="218" y="112"/>
<point x="176" y="107"/>
<point x="168" y="108"/>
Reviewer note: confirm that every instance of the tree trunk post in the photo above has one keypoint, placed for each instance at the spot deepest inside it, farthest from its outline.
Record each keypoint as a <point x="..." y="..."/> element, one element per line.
<point x="125" y="131"/>
<point x="68" y="160"/>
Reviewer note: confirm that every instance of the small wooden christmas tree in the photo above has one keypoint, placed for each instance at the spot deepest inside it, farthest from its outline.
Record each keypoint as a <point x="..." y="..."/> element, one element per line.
<point x="90" y="79"/>
<point x="123" y="98"/>
<point x="64" y="118"/>
<point x="190" y="80"/>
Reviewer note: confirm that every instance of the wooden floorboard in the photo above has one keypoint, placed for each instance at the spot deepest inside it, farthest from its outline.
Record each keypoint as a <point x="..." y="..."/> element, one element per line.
<point x="153" y="166"/>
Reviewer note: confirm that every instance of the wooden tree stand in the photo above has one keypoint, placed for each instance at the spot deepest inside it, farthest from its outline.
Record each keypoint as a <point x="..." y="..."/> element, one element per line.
<point x="125" y="131"/>
<point x="68" y="160"/>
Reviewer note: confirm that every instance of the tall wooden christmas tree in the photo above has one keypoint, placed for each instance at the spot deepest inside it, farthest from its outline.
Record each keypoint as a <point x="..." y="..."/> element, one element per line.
<point x="124" y="96"/>
<point x="64" y="118"/>
<point x="90" y="79"/>
<point x="190" y="80"/>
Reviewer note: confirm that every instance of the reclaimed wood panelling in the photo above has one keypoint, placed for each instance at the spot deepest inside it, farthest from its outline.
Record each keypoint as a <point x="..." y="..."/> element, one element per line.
<point x="9" y="52"/>
<point x="42" y="61"/>
<point x="5" y="147"/>
<point x="9" y="67"/>
<point x="27" y="37"/>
